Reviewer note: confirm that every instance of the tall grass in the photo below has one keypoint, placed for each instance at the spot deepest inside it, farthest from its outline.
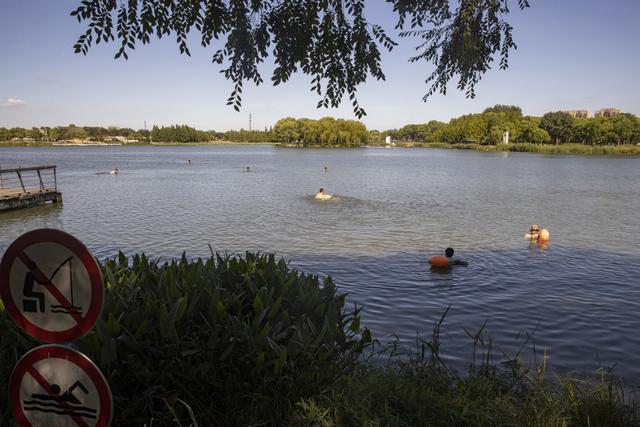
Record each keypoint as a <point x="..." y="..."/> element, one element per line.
<point x="418" y="389"/>
<point x="620" y="150"/>
<point x="596" y="150"/>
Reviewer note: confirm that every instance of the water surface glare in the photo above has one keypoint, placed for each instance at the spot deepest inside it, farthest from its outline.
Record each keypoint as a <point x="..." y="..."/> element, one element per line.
<point x="394" y="208"/>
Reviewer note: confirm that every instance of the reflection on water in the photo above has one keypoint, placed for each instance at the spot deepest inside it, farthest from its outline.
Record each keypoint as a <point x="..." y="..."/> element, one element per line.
<point x="17" y="222"/>
<point x="394" y="208"/>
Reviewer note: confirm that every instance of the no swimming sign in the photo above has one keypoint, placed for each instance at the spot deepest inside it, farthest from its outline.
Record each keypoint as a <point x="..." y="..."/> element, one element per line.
<point x="55" y="386"/>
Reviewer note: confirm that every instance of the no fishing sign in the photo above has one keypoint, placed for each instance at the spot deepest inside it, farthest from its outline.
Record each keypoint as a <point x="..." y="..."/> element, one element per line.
<point x="55" y="386"/>
<point x="51" y="285"/>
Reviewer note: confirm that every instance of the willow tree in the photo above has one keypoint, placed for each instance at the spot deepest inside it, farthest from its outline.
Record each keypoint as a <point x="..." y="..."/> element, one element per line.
<point x="332" y="41"/>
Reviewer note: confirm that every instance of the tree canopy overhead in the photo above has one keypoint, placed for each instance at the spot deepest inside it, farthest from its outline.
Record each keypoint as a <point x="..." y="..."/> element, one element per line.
<point x="330" y="40"/>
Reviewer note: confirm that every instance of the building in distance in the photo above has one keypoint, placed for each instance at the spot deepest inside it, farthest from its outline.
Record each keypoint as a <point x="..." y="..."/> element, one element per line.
<point x="579" y="114"/>
<point x="607" y="112"/>
<point x="586" y="114"/>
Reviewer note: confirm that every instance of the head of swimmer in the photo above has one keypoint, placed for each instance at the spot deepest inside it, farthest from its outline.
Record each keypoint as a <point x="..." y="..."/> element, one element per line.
<point x="449" y="252"/>
<point x="321" y="190"/>
<point x="534" y="229"/>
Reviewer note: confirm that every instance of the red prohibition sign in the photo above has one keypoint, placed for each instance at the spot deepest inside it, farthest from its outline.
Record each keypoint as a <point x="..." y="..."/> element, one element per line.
<point x="51" y="401"/>
<point x="17" y="253"/>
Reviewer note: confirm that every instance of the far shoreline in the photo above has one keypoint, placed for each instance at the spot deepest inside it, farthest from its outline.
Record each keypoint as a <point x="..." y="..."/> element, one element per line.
<point x="570" y="149"/>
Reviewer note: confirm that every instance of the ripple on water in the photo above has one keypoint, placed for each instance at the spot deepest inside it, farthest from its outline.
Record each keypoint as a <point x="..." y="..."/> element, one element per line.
<point x="394" y="209"/>
<point x="590" y="309"/>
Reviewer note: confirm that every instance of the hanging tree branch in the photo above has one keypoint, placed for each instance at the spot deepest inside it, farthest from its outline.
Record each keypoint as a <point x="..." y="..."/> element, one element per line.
<point x="330" y="40"/>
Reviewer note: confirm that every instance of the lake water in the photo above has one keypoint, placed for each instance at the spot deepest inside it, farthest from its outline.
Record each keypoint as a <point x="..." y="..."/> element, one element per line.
<point x="394" y="208"/>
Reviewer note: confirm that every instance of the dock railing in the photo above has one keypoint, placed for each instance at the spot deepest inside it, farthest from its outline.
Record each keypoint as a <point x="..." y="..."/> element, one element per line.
<point x="15" y="182"/>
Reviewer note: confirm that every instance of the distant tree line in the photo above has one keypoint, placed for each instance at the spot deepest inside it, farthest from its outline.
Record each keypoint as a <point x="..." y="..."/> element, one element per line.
<point x="175" y="133"/>
<point x="66" y="133"/>
<point x="326" y="132"/>
<point x="183" y="133"/>
<point x="304" y="132"/>
<point x="178" y="133"/>
<point x="488" y="127"/>
<point x="244" y="135"/>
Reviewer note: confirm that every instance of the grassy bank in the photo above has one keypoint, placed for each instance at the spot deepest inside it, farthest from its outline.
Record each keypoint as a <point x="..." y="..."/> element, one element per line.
<point x="597" y="150"/>
<point x="211" y="143"/>
<point x="415" y="392"/>
<point x="231" y="341"/>
<point x="591" y="150"/>
<point x="24" y="144"/>
<point x="285" y="145"/>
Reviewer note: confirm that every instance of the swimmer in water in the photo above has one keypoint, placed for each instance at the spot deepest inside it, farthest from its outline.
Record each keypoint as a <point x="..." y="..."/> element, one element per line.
<point x="322" y="195"/>
<point x="533" y="234"/>
<point x="189" y="162"/>
<point x="114" y="172"/>
<point x="326" y="169"/>
<point x="247" y="169"/>
<point x="454" y="261"/>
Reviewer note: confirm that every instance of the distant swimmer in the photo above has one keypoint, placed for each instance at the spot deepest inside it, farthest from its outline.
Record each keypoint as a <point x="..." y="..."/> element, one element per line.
<point x="115" y="171"/>
<point x="189" y="162"/>
<point x="535" y="234"/>
<point x="247" y="169"/>
<point x="326" y="169"/>
<point x="322" y="195"/>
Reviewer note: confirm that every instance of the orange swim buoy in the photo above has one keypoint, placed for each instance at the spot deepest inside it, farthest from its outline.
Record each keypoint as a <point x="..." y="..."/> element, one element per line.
<point x="439" y="261"/>
<point x="544" y="235"/>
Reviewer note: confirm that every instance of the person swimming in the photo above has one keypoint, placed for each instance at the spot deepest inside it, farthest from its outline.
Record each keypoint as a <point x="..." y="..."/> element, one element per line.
<point x="114" y="172"/>
<point x="537" y="235"/>
<point x="454" y="261"/>
<point x="533" y="234"/>
<point x="247" y="169"/>
<point x="326" y="169"/>
<point x="321" y="195"/>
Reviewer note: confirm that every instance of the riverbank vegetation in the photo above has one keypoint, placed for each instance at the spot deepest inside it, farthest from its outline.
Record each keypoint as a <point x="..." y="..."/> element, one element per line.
<point x="489" y="127"/>
<point x="293" y="132"/>
<point x="582" y="149"/>
<point x="553" y="133"/>
<point x="180" y="134"/>
<point x="249" y="341"/>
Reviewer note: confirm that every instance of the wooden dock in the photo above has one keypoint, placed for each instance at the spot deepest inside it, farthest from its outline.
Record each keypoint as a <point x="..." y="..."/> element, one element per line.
<point x="28" y="186"/>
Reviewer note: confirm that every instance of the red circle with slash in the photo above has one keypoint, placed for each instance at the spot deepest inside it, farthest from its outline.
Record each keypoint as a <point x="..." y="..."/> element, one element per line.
<point x="17" y="256"/>
<point x="40" y="370"/>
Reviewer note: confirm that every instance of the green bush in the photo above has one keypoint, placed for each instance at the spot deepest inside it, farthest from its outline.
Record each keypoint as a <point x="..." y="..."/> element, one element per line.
<point x="223" y="341"/>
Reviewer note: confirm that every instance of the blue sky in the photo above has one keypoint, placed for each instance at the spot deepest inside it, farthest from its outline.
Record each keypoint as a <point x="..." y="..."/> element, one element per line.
<point x="571" y="55"/>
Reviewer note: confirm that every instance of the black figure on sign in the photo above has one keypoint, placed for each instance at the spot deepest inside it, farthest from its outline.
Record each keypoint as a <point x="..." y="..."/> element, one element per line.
<point x="34" y="301"/>
<point x="62" y="404"/>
